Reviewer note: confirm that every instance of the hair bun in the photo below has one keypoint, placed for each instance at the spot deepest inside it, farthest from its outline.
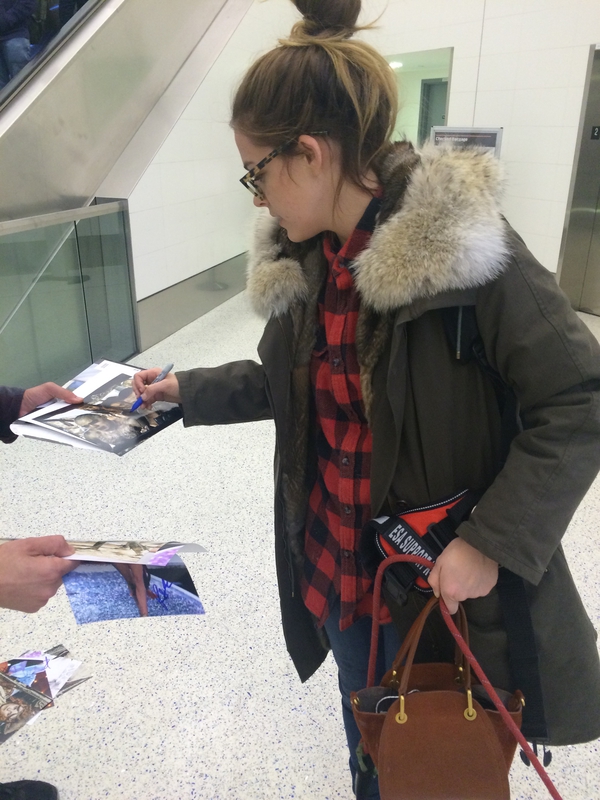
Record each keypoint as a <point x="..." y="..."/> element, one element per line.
<point x="328" y="16"/>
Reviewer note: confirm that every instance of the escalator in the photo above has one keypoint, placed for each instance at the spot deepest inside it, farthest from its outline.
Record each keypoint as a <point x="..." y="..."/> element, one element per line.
<point x="86" y="98"/>
<point x="84" y="117"/>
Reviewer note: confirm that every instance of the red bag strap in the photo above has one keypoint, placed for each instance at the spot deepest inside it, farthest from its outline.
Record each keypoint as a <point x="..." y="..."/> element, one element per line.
<point x="498" y="703"/>
<point x="468" y="655"/>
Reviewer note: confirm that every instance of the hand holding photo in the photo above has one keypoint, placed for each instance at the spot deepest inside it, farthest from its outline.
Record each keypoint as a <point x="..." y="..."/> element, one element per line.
<point x="104" y="418"/>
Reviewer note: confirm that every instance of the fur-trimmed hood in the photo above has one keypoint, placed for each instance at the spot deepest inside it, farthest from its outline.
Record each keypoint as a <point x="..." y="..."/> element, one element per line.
<point x="443" y="232"/>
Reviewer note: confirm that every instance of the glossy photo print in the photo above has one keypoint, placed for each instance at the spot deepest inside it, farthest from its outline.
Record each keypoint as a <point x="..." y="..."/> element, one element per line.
<point x="117" y="394"/>
<point x="111" y="432"/>
<point x="105" y="419"/>
<point x="29" y="683"/>
<point x="19" y="703"/>
<point x="100" y="592"/>
<point x="157" y="554"/>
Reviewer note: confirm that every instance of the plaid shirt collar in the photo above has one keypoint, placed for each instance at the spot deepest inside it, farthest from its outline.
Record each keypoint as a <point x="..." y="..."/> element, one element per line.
<point x="343" y="257"/>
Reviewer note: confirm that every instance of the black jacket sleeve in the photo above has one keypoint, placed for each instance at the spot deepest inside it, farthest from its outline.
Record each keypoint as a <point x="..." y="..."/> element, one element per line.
<point x="234" y="392"/>
<point x="550" y="359"/>
<point x="10" y="403"/>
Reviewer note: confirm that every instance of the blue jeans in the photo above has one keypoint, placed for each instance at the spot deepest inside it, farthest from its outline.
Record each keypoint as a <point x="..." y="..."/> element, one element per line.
<point x="14" y="54"/>
<point x="351" y="652"/>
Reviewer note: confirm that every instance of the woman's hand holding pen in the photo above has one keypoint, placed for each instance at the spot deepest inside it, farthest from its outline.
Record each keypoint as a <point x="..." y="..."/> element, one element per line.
<point x="167" y="389"/>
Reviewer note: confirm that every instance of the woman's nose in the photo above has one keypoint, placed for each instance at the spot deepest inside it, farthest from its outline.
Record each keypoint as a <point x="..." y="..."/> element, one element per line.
<point x="259" y="202"/>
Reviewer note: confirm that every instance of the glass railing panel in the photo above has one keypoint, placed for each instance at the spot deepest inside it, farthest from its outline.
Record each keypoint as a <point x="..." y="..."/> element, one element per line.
<point x="107" y="287"/>
<point x="22" y="258"/>
<point x="66" y="296"/>
<point x="44" y="336"/>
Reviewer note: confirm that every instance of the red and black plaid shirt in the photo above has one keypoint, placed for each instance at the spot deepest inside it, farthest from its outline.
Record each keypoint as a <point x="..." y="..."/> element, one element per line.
<point x="339" y="504"/>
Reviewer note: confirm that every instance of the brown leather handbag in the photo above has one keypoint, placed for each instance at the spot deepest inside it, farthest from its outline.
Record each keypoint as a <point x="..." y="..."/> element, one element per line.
<point x="433" y="731"/>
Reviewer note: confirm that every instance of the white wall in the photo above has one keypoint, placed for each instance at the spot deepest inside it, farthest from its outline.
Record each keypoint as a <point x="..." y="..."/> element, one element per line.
<point x="189" y="210"/>
<point x="520" y="65"/>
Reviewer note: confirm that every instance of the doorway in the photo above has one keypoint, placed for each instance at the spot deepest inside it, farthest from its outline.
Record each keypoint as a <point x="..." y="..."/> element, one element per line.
<point x="432" y="111"/>
<point x="579" y="268"/>
<point x="423" y="79"/>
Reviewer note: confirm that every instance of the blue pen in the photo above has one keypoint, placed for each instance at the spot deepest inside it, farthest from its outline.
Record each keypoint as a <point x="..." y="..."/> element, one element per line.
<point x="160" y="377"/>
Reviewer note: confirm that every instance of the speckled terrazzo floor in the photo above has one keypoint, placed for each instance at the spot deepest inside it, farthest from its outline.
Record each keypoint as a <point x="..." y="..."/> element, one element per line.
<point x="200" y="706"/>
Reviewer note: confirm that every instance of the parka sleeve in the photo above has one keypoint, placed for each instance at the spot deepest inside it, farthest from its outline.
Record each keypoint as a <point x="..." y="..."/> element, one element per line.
<point x="547" y="355"/>
<point x="234" y="392"/>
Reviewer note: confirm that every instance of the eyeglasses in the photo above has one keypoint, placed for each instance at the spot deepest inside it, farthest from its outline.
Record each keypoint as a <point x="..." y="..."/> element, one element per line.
<point x="249" y="179"/>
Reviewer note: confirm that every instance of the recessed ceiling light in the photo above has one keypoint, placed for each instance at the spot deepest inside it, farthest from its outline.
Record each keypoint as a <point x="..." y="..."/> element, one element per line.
<point x="395" y="64"/>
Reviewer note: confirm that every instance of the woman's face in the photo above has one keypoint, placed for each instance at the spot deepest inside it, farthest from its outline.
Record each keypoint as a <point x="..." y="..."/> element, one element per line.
<point x="298" y="191"/>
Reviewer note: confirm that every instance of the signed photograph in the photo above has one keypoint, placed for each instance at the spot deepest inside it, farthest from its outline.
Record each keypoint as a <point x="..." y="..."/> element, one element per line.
<point x="105" y="421"/>
<point x="128" y="552"/>
<point x="100" y="592"/>
<point x="111" y="432"/>
<point x="112" y="551"/>
<point x="131" y="552"/>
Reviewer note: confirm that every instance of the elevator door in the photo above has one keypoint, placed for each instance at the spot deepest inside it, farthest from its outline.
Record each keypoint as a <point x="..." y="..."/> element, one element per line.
<point x="580" y="267"/>
<point x="434" y="97"/>
<point x="590" y="296"/>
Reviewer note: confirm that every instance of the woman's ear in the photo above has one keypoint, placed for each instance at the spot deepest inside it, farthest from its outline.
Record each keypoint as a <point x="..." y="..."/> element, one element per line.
<point x="313" y="150"/>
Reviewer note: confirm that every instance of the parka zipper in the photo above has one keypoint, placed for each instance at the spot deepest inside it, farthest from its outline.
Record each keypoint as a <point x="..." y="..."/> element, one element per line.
<point x="459" y="332"/>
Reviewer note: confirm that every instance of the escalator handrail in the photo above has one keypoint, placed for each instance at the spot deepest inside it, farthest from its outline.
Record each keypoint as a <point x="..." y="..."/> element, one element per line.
<point x="60" y="217"/>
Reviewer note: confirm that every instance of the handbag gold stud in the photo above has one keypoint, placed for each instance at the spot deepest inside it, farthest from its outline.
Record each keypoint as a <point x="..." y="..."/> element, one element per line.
<point x="401" y="716"/>
<point x="470" y="712"/>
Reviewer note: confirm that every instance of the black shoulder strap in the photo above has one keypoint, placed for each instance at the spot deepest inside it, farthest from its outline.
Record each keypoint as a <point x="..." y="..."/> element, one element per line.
<point x="460" y="324"/>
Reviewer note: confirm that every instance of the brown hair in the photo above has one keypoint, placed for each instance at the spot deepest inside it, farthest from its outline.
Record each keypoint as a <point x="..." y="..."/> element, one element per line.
<point x="319" y="80"/>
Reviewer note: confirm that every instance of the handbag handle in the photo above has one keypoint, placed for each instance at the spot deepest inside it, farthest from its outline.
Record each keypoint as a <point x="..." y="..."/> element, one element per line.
<point x="376" y="609"/>
<point x="431" y="605"/>
<point x="492" y="694"/>
<point x="414" y="634"/>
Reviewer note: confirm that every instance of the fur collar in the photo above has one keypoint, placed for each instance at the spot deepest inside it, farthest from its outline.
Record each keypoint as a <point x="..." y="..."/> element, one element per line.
<point x="443" y="232"/>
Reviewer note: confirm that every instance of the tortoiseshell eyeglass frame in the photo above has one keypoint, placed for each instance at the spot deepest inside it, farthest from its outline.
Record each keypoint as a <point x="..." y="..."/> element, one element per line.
<point x="250" y="176"/>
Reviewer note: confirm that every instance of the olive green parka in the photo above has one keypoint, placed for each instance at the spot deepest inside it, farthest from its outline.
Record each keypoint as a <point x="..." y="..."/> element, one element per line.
<point x="440" y="241"/>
